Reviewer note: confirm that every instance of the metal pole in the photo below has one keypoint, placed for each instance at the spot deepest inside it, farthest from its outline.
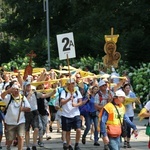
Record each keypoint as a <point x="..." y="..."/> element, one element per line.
<point x="48" y="30"/>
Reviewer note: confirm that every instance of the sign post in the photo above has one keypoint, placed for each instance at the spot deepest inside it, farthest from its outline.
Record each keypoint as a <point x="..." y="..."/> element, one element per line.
<point x="66" y="47"/>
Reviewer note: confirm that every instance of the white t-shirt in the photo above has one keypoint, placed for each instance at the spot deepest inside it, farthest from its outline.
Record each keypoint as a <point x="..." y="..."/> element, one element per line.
<point x="115" y="80"/>
<point x="1" y="87"/>
<point x="33" y="100"/>
<point x="67" y="109"/>
<point x="147" y="106"/>
<point x="13" y="110"/>
<point x="129" y="107"/>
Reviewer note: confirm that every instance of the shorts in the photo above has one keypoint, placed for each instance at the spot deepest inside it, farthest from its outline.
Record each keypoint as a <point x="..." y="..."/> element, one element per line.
<point x="53" y="112"/>
<point x="42" y="124"/>
<point x="13" y="130"/>
<point x="71" y="123"/>
<point x="32" y="119"/>
<point x="58" y="116"/>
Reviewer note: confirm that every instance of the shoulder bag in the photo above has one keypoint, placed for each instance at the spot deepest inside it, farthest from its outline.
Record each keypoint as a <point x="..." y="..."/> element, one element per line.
<point x="123" y="125"/>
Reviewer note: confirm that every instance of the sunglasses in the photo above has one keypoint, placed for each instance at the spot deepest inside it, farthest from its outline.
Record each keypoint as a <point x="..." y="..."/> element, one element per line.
<point x="16" y="89"/>
<point x="78" y="77"/>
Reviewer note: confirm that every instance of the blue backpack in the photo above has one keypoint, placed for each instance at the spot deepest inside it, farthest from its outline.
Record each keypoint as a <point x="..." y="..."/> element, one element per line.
<point x="85" y="109"/>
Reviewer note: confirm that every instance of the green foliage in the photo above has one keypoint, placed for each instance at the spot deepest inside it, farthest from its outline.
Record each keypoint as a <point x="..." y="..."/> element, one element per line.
<point x="140" y="78"/>
<point x="5" y="52"/>
<point x="24" y="26"/>
<point x="77" y="63"/>
<point x="17" y="63"/>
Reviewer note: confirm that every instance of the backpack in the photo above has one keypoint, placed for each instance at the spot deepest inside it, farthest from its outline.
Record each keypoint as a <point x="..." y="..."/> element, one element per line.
<point x="84" y="89"/>
<point x="11" y="98"/>
<point x="3" y="85"/>
<point x="65" y="95"/>
<point x="84" y="109"/>
<point x="100" y="97"/>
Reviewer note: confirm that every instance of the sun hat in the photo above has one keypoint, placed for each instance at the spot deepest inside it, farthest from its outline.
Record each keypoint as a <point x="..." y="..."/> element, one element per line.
<point x="101" y="83"/>
<point x="15" y="86"/>
<point x="120" y="93"/>
<point x="27" y="83"/>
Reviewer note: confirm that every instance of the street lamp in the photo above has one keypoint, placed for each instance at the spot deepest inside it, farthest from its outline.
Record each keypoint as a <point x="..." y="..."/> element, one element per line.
<point x="46" y="9"/>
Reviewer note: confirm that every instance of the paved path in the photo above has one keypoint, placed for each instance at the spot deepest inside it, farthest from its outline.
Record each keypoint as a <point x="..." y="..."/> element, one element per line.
<point x="56" y="144"/>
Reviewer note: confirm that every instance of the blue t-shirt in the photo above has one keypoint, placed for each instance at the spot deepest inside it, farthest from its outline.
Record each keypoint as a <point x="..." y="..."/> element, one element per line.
<point x="92" y="104"/>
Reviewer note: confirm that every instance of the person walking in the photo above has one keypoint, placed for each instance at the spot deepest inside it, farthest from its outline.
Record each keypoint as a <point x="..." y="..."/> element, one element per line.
<point x="112" y="114"/>
<point x="71" y="99"/>
<point x="32" y="118"/>
<point x="43" y="114"/>
<point x="17" y="105"/>
<point x="91" y="116"/>
<point x="129" y="112"/>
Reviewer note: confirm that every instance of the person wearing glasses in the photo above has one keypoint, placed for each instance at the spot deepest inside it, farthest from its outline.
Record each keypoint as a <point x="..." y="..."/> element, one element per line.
<point x="103" y="96"/>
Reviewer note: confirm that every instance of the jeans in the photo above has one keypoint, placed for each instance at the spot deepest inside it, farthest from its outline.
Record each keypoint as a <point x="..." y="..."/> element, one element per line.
<point x="129" y="129"/>
<point x="114" y="143"/>
<point x="88" y="122"/>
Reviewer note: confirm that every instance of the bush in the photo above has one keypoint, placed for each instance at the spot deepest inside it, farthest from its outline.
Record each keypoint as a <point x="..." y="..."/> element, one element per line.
<point x="140" y="79"/>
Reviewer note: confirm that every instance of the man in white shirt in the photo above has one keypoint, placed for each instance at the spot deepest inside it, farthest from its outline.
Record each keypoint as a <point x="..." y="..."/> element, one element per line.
<point x="71" y="99"/>
<point x="14" y="117"/>
<point x="32" y="118"/>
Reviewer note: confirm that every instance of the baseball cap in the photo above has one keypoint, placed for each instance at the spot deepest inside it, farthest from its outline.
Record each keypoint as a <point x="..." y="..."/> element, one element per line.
<point x="71" y="80"/>
<point x="106" y="80"/>
<point x="15" y="86"/>
<point x="101" y="83"/>
<point x="120" y="93"/>
<point x="27" y="83"/>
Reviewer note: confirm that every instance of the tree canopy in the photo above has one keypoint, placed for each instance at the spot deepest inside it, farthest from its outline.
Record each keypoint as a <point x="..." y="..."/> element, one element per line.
<point x="23" y="26"/>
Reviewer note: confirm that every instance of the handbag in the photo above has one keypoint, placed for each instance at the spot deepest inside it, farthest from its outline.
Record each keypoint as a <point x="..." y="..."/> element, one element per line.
<point x="124" y="129"/>
<point x="113" y="130"/>
<point x="85" y="109"/>
<point x="147" y="132"/>
<point x="123" y="125"/>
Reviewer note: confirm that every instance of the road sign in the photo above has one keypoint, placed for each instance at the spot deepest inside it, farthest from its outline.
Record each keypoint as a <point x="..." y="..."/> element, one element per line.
<point x="66" y="46"/>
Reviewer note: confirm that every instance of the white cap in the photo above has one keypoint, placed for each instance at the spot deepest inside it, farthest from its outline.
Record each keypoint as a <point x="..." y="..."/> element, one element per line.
<point x="106" y="80"/>
<point x="71" y="80"/>
<point x="101" y="83"/>
<point x="27" y="83"/>
<point x="15" y="86"/>
<point x="120" y="93"/>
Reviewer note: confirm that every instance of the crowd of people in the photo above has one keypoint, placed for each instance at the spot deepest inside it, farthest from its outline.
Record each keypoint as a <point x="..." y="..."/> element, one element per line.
<point x="93" y="104"/>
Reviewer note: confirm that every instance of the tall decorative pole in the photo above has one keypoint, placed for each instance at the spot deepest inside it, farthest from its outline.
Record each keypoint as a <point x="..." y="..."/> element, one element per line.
<point x="112" y="57"/>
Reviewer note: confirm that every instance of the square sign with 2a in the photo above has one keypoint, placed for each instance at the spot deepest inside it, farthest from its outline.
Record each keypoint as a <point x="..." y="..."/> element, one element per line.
<point x="66" y="46"/>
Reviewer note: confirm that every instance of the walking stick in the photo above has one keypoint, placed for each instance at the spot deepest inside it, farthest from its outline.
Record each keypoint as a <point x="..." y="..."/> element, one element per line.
<point x="20" y="108"/>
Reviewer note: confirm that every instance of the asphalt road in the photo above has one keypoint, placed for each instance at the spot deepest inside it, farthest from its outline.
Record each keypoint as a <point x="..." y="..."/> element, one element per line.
<point x="56" y="143"/>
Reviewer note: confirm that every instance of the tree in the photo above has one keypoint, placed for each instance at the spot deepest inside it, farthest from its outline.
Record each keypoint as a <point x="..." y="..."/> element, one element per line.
<point x="89" y="21"/>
